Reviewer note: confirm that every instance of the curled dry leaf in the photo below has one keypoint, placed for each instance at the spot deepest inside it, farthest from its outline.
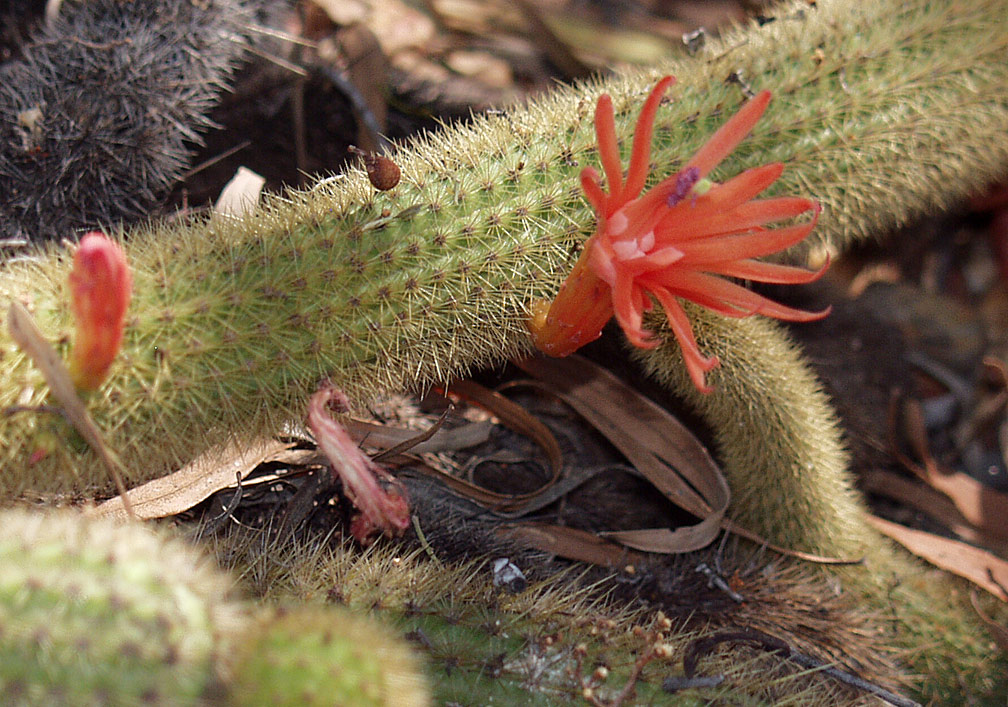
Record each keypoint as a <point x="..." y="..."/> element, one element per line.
<point x="660" y="447"/>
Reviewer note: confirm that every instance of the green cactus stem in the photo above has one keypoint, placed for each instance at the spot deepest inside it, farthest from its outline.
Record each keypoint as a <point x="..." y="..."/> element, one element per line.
<point x="483" y="645"/>
<point x="881" y="111"/>
<point x="97" y="613"/>
<point x="324" y="656"/>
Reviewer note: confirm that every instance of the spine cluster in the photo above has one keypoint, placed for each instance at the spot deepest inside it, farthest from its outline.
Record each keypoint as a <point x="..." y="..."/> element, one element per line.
<point x="321" y="656"/>
<point x="99" y="113"/>
<point x="92" y="613"/>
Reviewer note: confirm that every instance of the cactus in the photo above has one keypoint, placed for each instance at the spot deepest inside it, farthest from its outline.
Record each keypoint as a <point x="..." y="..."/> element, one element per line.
<point x="324" y="656"/>
<point x="97" y="613"/>
<point x="103" y="101"/>
<point x="881" y="111"/>
<point x="235" y="320"/>
<point x="486" y="646"/>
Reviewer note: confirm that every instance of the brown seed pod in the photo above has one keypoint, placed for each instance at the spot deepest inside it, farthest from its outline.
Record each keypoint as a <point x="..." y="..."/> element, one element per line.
<point x="382" y="172"/>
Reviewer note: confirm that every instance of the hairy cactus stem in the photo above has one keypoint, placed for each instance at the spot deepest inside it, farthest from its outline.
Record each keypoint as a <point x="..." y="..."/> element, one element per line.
<point x="881" y="111"/>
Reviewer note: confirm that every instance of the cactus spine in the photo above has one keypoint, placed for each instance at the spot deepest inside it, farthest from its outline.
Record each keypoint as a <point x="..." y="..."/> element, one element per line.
<point x="104" y="100"/>
<point x="882" y="111"/>
<point x="95" y="613"/>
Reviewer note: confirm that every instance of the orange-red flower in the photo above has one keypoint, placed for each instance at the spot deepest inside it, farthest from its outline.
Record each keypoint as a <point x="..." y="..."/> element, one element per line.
<point x="673" y="241"/>
<point x="100" y="289"/>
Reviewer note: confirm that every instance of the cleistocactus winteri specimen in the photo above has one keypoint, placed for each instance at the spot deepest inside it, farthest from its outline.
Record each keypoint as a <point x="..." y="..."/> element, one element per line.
<point x="97" y="613"/>
<point x="881" y="112"/>
<point x="234" y="321"/>
<point x="324" y="656"/>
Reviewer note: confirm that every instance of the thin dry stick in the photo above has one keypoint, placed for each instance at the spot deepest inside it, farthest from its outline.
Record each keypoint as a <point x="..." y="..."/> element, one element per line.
<point x="26" y="333"/>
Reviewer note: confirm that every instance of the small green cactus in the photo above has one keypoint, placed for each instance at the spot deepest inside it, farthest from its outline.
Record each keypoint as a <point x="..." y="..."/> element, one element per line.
<point x="324" y="656"/>
<point x="93" y="612"/>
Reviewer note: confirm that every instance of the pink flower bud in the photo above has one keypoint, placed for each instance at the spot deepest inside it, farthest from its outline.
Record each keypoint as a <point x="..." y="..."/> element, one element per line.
<point x="100" y="287"/>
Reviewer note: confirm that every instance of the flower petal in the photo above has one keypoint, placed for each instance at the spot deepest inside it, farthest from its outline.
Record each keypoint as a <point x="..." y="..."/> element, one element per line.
<point x="705" y="219"/>
<point x="730" y="134"/>
<point x="720" y="249"/>
<point x="771" y="272"/>
<point x="592" y="189"/>
<point x="100" y="286"/>
<point x="696" y="363"/>
<point x="742" y="187"/>
<point x="641" y="153"/>
<point x="691" y="284"/>
<point x="629" y="305"/>
<point x="608" y="147"/>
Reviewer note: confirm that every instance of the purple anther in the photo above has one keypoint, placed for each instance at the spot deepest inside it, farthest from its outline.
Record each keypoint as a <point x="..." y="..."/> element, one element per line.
<point x="684" y="182"/>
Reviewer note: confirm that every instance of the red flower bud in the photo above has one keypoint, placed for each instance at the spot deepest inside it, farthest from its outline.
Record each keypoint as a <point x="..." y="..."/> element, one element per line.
<point x="100" y="287"/>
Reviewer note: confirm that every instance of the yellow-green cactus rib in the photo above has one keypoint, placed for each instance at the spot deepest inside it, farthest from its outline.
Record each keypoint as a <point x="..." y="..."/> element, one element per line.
<point x="97" y="613"/>
<point x="882" y="111"/>
<point x="324" y="656"/>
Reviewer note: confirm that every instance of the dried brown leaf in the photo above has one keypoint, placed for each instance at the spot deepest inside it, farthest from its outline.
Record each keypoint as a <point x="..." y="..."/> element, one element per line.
<point x="240" y="195"/>
<point x="573" y="544"/>
<point x="660" y="447"/>
<point x="981" y="505"/>
<point x="386" y="437"/>
<point x="931" y="502"/>
<point x="195" y="482"/>
<point x="978" y="566"/>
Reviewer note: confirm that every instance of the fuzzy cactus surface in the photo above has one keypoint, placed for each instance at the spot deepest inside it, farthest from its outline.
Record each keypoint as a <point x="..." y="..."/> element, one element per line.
<point x="108" y="98"/>
<point x="324" y="656"/>
<point x="882" y="112"/>
<point x="96" y="613"/>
